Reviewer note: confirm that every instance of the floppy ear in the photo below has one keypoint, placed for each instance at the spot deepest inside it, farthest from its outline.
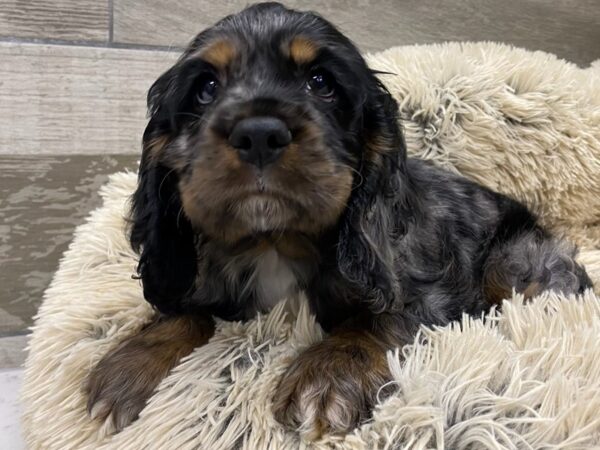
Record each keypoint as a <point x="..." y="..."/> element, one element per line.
<point x="375" y="217"/>
<point x="160" y="231"/>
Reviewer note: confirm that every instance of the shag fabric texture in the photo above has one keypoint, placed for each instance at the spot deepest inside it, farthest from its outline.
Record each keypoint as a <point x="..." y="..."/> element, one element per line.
<point x="523" y="123"/>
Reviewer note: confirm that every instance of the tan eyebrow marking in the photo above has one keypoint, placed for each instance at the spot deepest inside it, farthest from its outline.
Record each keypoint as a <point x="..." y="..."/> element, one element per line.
<point x="303" y="50"/>
<point x="219" y="53"/>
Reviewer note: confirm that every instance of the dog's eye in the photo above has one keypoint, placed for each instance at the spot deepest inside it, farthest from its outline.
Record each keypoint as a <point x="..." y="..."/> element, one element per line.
<point x="321" y="84"/>
<point x="207" y="90"/>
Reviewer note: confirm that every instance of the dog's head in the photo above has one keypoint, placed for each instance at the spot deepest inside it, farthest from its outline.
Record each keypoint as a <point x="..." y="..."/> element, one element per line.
<point x="270" y="122"/>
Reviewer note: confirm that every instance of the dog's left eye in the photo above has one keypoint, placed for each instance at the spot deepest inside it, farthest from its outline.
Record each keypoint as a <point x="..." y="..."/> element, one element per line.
<point x="321" y="84"/>
<point x="207" y="90"/>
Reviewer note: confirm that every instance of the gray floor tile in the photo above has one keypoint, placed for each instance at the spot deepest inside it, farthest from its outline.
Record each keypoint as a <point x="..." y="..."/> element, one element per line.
<point x="42" y="199"/>
<point x="12" y="351"/>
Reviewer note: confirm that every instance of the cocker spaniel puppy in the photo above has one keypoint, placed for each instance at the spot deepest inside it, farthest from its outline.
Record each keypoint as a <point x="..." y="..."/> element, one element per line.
<point x="273" y="162"/>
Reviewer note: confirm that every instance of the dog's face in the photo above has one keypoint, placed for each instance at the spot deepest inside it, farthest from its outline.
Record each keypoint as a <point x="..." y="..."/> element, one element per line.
<point x="263" y="120"/>
<point x="271" y="123"/>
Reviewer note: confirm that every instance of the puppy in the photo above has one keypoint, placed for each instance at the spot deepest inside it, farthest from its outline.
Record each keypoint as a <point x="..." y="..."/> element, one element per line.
<point x="273" y="162"/>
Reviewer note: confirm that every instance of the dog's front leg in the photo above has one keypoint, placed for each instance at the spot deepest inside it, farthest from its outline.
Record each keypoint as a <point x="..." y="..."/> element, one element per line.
<point x="332" y="386"/>
<point x="125" y="378"/>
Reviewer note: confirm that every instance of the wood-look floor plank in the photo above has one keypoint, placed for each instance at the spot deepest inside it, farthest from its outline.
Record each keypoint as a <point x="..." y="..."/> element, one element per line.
<point x="70" y="99"/>
<point x="42" y="200"/>
<point x="568" y="28"/>
<point x="78" y="20"/>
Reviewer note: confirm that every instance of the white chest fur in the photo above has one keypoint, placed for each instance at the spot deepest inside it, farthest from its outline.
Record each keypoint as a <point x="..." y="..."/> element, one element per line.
<point x="273" y="279"/>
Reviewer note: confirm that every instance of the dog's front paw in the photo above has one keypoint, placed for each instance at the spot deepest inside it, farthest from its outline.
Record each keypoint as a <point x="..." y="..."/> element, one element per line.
<point x="331" y="387"/>
<point x="119" y="386"/>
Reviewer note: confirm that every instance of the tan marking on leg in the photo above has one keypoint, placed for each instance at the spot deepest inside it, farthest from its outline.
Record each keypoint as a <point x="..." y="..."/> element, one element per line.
<point x="495" y="290"/>
<point x="532" y="290"/>
<point x="126" y="377"/>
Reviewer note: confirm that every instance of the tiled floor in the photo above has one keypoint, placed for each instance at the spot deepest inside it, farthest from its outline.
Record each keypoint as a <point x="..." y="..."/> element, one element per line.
<point x="42" y="198"/>
<point x="74" y="75"/>
<point x="10" y="386"/>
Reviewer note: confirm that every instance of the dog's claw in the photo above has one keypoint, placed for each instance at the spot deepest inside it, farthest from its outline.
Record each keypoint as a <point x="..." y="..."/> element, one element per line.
<point x="99" y="410"/>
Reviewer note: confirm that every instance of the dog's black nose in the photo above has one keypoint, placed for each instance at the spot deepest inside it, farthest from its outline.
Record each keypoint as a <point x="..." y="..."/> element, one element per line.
<point x="260" y="140"/>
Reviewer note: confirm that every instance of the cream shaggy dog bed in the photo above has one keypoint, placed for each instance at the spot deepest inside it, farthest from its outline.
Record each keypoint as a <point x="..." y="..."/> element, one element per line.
<point x="523" y="123"/>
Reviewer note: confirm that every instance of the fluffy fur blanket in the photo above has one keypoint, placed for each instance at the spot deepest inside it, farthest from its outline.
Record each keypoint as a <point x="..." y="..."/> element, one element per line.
<point x="523" y="123"/>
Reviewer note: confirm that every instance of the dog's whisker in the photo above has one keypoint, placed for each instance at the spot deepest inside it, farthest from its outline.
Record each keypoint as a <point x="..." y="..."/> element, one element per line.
<point x="162" y="182"/>
<point x="357" y="173"/>
<point x="179" y="216"/>
<point x="188" y="114"/>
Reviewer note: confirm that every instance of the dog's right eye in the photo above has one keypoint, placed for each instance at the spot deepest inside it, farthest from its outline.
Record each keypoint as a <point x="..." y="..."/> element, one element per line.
<point x="207" y="90"/>
<point x="321" y="84"/>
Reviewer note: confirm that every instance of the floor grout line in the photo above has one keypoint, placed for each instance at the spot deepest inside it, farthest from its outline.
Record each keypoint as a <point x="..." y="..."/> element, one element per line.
<point x="111" y="22"/>
<point x="95" y="44"/>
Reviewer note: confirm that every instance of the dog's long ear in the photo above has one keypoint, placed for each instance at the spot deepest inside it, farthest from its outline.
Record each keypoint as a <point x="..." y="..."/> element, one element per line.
<point x="375" y="217"/>
<point x="160" y="231"/>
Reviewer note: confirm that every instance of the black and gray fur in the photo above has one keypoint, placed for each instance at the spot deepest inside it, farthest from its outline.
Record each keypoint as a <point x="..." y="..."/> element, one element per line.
<point x="412" y="245"/>
<point x="414" y="240"/>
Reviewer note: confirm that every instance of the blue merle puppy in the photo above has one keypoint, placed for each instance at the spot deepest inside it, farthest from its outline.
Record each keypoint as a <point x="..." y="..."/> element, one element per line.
<point x="273" y="162"/>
